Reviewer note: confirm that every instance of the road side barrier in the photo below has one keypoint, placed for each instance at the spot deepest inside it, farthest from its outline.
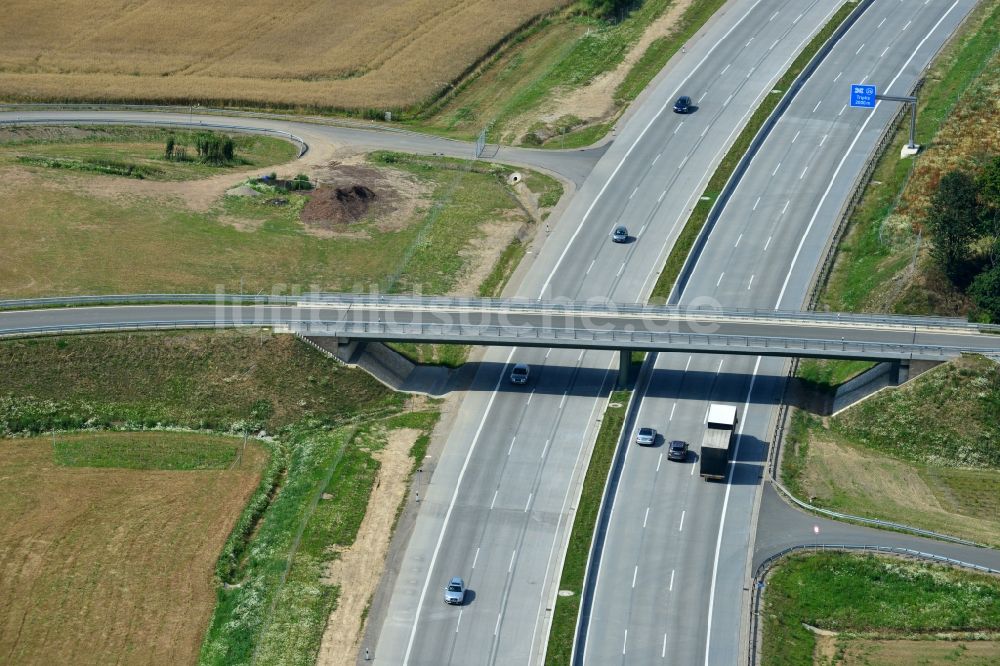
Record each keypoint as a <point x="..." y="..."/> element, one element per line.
<point x="874" y="521"/>
<point x="511" y="305"/>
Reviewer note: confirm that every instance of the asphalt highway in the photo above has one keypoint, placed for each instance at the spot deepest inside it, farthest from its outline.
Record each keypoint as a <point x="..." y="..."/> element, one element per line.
<point x="671" y="584"/>
<point x="502" y="498"/>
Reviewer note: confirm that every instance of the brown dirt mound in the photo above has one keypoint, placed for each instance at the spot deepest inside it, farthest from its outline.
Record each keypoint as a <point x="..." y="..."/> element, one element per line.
<point x="352" y="193"/>
<point x="329" y="207"/>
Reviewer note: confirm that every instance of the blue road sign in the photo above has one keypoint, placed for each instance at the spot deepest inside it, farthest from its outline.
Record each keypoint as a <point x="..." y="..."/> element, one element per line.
<point x="862" y="95"/>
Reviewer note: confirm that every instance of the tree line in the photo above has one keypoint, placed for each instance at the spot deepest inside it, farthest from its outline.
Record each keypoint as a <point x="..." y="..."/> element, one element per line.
<point x="215" y="149"/>
<point x="964" y="220"/>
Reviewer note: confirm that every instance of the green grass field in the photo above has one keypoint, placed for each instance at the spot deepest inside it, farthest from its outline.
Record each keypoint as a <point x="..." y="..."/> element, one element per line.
<point x="82" y="233"/>
<point x="869" y="596"/>
<point x="145" y="450"/>
<point x="224" y="381"/>
<point x="827" y="374"/>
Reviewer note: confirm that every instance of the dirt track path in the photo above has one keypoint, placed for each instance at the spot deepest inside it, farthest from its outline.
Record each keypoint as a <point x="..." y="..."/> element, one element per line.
<point x="359" y="568"/>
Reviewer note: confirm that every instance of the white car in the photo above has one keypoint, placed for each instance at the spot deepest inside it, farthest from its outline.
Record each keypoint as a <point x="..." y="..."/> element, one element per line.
<point x="645" y="437"/>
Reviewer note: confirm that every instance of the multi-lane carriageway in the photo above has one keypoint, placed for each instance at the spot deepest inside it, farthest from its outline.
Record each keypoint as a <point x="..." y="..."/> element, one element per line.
<point x="670" y="588"/>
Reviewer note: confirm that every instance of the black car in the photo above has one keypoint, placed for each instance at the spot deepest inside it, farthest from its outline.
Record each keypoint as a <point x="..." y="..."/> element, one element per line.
<point x="682" y="105"/>
<point x="620" y="234"/>
<point x="677" y="450"/>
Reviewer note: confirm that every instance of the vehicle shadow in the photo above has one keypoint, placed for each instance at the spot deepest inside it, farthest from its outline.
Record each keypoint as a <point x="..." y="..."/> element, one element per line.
<point x="470" y="596"/>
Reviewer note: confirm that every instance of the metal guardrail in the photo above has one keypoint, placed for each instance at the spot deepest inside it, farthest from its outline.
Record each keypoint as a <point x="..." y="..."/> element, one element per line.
<point x="873" y="521"/>
<point x="599" y="308"/>
<point x="245" y="129"/>
<point x="757" y="586"/>
<point x="150" y="299"/>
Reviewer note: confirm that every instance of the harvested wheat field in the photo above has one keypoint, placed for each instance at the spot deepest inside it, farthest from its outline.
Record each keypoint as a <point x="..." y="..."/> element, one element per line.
<point x="102" y="565"/>
<point x="310" y="53"/>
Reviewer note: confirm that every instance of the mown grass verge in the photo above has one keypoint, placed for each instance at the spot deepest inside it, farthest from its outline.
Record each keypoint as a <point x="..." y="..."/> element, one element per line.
<point x="567" y="608"/>
<point x="145" y="450"/>
<point x="870" y="596"/>
<point x="699" y="215"/>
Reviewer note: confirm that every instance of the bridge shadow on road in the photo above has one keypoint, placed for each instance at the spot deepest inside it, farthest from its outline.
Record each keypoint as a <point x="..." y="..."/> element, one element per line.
<point x="486" y="376"/>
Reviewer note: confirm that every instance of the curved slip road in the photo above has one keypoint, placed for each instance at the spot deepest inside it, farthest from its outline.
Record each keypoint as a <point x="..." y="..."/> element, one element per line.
<point x="670" y="588"/>
<point x="573" y="165"/>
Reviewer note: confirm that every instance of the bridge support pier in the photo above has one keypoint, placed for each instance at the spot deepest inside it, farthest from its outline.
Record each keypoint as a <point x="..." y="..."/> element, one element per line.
<point x="900" y="371"/>
<point x="624" y="368"/>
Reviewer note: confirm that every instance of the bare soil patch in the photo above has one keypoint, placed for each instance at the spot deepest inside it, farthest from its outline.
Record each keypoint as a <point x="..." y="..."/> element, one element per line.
<point x="358" y="569"/>
<point x="110" y="566"/>
<point x="352" y="192"/>
<point x="482" y="254"/>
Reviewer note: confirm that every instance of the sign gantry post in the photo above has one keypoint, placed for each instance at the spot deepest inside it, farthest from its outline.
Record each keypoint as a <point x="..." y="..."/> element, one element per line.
<point x="865" y="96"/>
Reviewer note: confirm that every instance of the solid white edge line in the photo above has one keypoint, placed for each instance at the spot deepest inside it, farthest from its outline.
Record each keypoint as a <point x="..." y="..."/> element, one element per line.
<point x="722" y="520"/>
<point x="847" y="153"/>
<point x="451" y="507"/>
<point x="635" y="143"/>
<point x="562" y="511"/>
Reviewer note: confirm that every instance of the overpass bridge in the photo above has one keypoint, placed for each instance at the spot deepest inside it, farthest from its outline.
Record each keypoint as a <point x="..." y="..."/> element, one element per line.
<point x="520" y="323"/>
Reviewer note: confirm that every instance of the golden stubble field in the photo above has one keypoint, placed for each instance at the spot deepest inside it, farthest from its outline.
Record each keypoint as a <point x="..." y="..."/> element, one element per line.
<point x="110" y="566"/>
<point x="319" y="53"/>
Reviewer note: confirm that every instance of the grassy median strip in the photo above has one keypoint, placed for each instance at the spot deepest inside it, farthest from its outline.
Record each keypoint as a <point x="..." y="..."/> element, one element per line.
<point x="851" y="598"/>
<point x="575" y="565"/>
<point x="699" y="215"/>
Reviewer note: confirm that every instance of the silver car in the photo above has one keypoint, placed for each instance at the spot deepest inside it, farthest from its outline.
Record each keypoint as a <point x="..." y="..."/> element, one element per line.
<point x="454" y="592"/>
<point x="645" y="437"/>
